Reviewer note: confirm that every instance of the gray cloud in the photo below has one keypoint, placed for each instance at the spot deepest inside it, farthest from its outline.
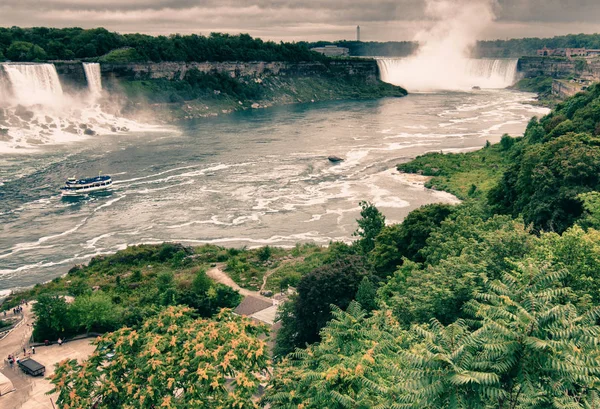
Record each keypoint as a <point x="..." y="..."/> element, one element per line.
<point x="294" y="19"/>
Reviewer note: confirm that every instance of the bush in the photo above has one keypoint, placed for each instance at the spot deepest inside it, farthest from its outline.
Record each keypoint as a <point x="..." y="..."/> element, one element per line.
<point x="122" y="56"/>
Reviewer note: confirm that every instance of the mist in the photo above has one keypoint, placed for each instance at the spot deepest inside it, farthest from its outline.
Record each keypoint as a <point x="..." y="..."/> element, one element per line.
<point x="442" y="61"/>
<point x="35" y="110"/>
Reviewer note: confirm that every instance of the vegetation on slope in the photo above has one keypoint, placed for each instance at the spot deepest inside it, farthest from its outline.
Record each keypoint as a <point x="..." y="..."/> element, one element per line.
<point x="465" y="175"/>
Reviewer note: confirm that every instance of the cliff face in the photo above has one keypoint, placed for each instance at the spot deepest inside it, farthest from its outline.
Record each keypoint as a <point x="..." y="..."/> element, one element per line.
<point x="164" y="89"/>
<point x="72" y="73"/>
<point x="531" y="67"/>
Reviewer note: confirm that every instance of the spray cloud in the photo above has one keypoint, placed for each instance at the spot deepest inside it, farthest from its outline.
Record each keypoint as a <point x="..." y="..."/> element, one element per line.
<point x="442" y="60"/>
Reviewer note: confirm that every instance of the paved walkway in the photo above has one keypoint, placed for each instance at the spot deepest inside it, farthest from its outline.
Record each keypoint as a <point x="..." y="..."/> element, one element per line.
<point x="13" y="344"/>
<point x="30" y="392"/>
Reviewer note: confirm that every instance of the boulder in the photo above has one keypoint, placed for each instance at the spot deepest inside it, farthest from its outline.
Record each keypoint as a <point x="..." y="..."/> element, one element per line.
<point x="89" y="132"/>
<point x="335" y="159"/>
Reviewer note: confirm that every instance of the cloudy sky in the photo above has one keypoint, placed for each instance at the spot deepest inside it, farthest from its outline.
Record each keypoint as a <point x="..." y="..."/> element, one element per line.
<point x="380" y="20"/>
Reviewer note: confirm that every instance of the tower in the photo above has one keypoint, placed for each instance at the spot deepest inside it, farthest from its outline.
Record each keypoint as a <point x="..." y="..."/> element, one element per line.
<point x="357" y="33"/>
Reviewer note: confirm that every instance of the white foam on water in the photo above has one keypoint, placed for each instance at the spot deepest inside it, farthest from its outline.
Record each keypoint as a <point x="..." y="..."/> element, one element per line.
<point x="35" y="111"/>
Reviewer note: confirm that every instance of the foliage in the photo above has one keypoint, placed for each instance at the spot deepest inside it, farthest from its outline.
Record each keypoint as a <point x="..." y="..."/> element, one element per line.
<point x="460" y="256"/>
<point x="24" y="51"/>
<point x="70" y="43"/>
<point x="332" y="284"/>
<point x="121" y="56"/>
<point x="524" y="346"/>
<point x="95" y="312"/>
<point x="51" y="318"/>
<point x="370" y="224"/>
<point x="531" y="349"/>
<point x="458" y="172"/>
<point x="408" y="238"/>
<point x="172" y="361"/>
<point x="366" y="295"/>
<point x="591" y="210"/>
<point x="352" y="367"/>
<point x="546" y="179"/>
<point x="540" y="85"/>
<point x="129" y="287"/>
<point x="518" y="47"/>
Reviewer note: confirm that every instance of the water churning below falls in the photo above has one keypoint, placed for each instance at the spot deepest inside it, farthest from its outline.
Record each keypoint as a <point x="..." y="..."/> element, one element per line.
<point x="425" y="74"/>
<point x="35" y="110"/>
<point x="247" y="179"/>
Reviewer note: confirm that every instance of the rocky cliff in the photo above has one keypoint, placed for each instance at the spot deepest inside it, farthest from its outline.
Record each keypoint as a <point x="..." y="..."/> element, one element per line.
<point x="531" y="67"/>
<point x="72" y="72"/>
<point x="175" y="90"/>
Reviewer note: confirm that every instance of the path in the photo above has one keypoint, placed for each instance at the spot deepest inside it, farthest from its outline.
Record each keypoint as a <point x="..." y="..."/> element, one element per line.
<point x="30" y="392"/>
<point x="217" y="274"/>
<point x="13" y="344"/>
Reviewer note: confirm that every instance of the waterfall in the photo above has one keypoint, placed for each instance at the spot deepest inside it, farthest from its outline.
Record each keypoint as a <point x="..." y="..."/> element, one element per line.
<point x="33" y="84"/>
<point x="423" y="74"/>
<point x="94" y="79"/>
<point x="499" y="73"/>
<point x="34" y="111"/>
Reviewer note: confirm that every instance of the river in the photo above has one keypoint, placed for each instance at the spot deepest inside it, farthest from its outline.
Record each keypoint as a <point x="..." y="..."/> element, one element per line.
<point x="247" y="179"/>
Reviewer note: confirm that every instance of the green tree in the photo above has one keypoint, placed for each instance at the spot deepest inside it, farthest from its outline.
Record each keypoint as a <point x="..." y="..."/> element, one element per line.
<point x="531" y="350"/>
<point x="408" y="238"/>
<point x="19" y="51"/>
<point x="331" y="284"/>
<point x="172" y="361"/>
<point x="356" y="365"/>
<point x="52" y="321"/>
<point x="366" y="295"/>
<point x="96" y="312"/>
<point x="591" y="207"/>
<point x="370" y="224"/>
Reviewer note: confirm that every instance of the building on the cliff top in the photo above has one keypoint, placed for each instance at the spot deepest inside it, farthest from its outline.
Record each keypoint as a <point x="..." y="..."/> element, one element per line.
<point x="332" y="51"/>
<point x="568" y="52"/>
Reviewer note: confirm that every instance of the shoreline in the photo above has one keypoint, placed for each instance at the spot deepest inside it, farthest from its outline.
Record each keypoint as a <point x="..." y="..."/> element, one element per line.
<point x="413" y="180"/>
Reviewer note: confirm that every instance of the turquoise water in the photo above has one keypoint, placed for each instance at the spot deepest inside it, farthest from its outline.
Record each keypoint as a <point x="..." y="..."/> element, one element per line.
<point x="247" y="179"/>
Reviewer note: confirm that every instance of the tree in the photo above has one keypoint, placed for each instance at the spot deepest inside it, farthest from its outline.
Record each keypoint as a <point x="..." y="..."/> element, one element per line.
<point x="407" y="239"/>
<point x="332" y="284"/>
<point x="366" y="295"/>
<point x="172" y="361"/>
<point x="95" y="311"/>
<point x="369" y="226"/>
<point x="19" y="51"/>
<point x="356" y="365"/>
<point x="531" y="349"/>
<point x="52" y="320"/>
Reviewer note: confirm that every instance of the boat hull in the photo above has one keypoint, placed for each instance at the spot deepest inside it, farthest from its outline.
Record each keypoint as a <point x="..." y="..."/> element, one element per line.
<point x="83" y="187"/>
<point x="84" y="191"/>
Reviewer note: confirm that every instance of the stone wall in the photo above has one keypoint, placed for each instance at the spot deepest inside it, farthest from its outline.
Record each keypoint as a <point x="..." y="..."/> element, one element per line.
<point x="71" y="74"/>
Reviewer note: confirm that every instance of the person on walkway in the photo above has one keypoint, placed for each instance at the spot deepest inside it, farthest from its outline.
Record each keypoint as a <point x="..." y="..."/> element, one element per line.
<point x="59" y="342"/>
<point x="24" y="351"/>
<point x="32" y="350"/>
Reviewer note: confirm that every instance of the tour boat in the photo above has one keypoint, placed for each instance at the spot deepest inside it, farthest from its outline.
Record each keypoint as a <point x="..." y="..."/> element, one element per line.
<point x="78" y="187"/>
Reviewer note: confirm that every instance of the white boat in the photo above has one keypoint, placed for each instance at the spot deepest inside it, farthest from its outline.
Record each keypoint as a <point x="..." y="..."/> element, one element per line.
<point x="79" y="187"/>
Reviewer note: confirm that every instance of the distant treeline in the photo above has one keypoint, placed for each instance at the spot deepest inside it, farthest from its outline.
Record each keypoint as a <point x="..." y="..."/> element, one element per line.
<point x="42" y="44"/>
<point x="529" y="46"/>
